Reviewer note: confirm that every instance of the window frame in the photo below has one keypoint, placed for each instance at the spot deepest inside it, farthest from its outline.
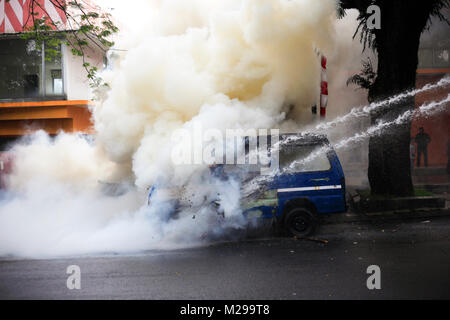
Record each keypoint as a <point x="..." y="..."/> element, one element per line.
<point x="42" y="81"/>
<point x="329" y="156"/>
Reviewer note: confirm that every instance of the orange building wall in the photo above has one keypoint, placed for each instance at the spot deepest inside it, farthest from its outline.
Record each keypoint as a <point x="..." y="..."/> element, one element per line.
<point x="17" y="119"/>
<point x="437" y="126"/>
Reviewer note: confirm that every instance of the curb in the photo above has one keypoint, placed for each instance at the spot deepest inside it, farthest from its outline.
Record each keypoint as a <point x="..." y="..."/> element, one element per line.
<point x="435" y="188"/>
<point x="352" y="217"/>
<point x="397" y="204"/>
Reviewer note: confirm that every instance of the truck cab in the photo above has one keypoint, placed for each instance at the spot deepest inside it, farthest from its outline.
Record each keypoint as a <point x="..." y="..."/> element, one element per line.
<point x="310" y="182"/>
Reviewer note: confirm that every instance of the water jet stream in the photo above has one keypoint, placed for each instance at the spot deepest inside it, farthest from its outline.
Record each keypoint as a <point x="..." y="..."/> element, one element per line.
<point x="427" y="109"/>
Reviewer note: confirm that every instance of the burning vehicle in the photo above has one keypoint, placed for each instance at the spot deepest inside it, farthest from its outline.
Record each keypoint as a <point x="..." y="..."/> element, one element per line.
<point x="308" y="182"/>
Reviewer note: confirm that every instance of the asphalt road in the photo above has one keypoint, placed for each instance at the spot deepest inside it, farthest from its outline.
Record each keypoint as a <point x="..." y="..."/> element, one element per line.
<point x="414" y="257"/>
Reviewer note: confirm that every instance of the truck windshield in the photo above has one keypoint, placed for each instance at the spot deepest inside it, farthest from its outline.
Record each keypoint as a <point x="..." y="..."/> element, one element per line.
<point x="296" y="154"/>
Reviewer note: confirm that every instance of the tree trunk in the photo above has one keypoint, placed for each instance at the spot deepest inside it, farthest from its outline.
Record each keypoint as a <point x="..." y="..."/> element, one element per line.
<point x="397" y="44"/>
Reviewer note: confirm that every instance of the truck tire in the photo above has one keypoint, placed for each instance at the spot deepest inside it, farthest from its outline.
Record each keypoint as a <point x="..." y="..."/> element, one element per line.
<point x="300" y="222"/>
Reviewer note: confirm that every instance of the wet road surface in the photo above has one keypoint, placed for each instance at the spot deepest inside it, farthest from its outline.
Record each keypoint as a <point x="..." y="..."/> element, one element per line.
<point x="414" y="257"/>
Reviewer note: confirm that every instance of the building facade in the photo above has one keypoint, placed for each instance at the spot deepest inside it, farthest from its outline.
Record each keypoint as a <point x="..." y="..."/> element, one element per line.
<point x="434" y="64"/>
<point x="37" y="91"/>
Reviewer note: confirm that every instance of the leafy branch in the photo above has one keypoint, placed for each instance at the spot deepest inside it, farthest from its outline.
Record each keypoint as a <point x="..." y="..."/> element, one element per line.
<point x="366" y="78"/>
<point x="86" y="27"/>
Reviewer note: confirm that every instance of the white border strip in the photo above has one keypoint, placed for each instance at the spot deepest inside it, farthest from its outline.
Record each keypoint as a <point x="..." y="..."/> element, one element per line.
<point x="317" y="188"/>
<point x="2" y="11"/>
<point x="18" y="10"/>
<point x="53" y="13"/>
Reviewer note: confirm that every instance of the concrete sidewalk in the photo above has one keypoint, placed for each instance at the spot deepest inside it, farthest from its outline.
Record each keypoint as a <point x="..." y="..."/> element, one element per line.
<point x="431" y="179"/>
<point x="350" y="216"/>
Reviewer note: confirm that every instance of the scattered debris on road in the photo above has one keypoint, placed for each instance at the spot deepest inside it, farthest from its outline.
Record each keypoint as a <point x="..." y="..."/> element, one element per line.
<point x="311" y="239"/>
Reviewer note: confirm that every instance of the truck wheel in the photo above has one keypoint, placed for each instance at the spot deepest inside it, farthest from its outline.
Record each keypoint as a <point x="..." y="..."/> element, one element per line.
<point x="300" y="222"/>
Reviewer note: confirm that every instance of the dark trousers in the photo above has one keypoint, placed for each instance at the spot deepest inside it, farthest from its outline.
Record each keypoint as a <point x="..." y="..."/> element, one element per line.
<point x="425" y="156"/>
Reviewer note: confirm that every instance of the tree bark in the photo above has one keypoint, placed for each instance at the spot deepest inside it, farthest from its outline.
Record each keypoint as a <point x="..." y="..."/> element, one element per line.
<point x="397" y="44"/>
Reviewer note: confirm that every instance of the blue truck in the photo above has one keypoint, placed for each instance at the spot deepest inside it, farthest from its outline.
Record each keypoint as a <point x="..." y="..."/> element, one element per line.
<point x="299" y="192"/>
<point x="297" y="197"/>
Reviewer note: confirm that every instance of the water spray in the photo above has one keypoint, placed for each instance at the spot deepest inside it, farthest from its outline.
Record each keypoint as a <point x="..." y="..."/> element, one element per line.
<point x="366" y="110"/>
<point x="253" y="186"/>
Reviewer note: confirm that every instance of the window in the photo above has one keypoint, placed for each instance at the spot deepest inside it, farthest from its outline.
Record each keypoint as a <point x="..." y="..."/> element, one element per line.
<point x="434" y="58"/>
<point x="26" y="73"/>
<point x="296" y="154"/>
<point x="434" y="51"/>
<point x="441" y="57"/>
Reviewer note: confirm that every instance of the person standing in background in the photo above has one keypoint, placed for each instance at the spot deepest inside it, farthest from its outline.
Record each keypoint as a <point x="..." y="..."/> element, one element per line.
<point x="422" y="140"/>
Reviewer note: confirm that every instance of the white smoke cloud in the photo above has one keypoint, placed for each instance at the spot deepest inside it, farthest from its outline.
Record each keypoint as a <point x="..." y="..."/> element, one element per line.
<point x="223" y="64"/>
<point x="240" y="59"/>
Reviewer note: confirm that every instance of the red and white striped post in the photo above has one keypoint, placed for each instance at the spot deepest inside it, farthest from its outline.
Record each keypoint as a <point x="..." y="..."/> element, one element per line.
<point x="323" y="87"/>
<point x="15" y="15"/>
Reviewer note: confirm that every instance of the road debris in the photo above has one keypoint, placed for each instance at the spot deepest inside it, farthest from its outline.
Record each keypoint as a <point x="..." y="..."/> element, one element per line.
<point x="311" y="239"/>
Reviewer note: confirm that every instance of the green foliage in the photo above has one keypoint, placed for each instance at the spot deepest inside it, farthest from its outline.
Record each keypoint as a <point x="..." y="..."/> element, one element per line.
<point x="366" y="194"/>
<point x="422" y="193"/>
<point x="85" y="28"/>
<point x="366" y="78"/>
<point x="368" y="36"/>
